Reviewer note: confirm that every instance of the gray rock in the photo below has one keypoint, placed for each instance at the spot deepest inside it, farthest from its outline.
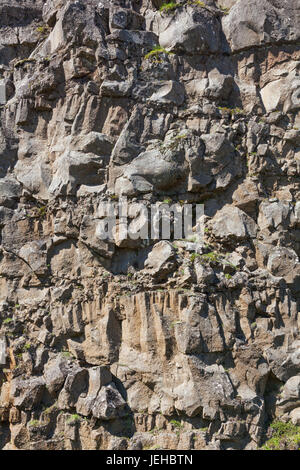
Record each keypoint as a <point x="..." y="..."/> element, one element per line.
<point x="109" y="404"/>
<point x="272" y="215"/>
<point x="191" y="30"/>
<point x="125" y="18"/>
<point x="75" y="384"/>
<point x="98" y="377"/>
<point x="169" y="92"/>
<point x="150" y="170"/>
<point x="55" y="373"/>
<point x="232" y="223"/>
<point x="92" y="143"/>
<point x="26" y="394"/>
<point x="115" y="88"/>
<point x="290" y="397"/>
<point x="261" y="22"/>
<point x="284" y="262"/>
<point x="295" y="416"/>
<point x="10" y="190"/>
<point x="161" y="260"/>
<point x="72" y="169"/>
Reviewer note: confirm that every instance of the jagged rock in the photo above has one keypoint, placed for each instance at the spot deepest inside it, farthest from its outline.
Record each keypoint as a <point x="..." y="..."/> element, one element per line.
<point x="55" y="373"/>
<point x="10" y="190"/>
<point x="75" y="385"/>
<point x="26" y="394"/>
<point x="232" y="223"/>
<point x="90" y="234"/>
<point x="295" y="416"/>
<point x="175" y="344"/>
<point x="262" y="22"/>
<point x="148" y="171"/>
<point x="191" y="30"/>
<point x="98" y="378"/>
<point x="273" y="214"/>
<point x="284" y="262"/>
<point x="282" y="93"/>
<point x="125" y="18"/>
<point x="218" y="167"/>
<point x="73" y="169"/>
<point x="169" y="92"/>
<point x="2" y="92"/>
<point x="290" y="397"/>
<point x="109" y="404"/>
<point x="94" y="143"/>
<point x="161" y="259"/>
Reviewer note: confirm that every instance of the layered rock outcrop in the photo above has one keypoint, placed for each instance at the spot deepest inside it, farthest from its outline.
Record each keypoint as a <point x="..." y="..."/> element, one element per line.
<point x="124" y="343"/>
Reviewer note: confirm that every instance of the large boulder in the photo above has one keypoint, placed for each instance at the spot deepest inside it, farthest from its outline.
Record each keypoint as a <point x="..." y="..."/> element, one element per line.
<point x="98" y="377"/>
<point x="282" y="92"/>
<point x="262" y="22"/>
<point x="161" y="260"/>
<point x="109" y="404"/>
<point x="73" y="169"/>
<point x="169" y="92"/>
<point x="75" y="385"/>
<point x="190" y="29"/>
<point x="27" y="394"/>
<point x="10" y="190"/>
<point x="55" y="373"/>
<point x="284" y="262"/>
<point x="290" y="396"/>
<point x="150" y="170"/>
<point x="232" y="223"/>
<point x="273" y="215"/>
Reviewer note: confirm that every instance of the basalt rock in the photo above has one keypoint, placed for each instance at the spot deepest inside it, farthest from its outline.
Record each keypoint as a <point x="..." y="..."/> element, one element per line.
<point x="109" y="339"/>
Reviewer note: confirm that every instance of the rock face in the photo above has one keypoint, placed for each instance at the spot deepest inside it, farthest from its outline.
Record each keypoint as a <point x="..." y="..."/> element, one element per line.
<point x="111" y="342"/>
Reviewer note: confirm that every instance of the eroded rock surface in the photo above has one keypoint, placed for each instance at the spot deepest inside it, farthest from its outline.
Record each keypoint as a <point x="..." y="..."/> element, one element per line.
<point x="117" y="343"/>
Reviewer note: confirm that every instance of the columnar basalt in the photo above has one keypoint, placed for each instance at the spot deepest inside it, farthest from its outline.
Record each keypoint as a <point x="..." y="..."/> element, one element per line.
<point x="149" y="344"/>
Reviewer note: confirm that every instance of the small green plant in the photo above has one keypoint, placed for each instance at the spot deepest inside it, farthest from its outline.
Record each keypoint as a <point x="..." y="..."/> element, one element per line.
<point x="43" y="30"/>
<point x="74" y="419"/>
<point x="285" y="436"/>
<point x="34" y="423"/>
<point x="66" y="354"/>
<point x="27" y="346"/>
<point x="42" y="211"/>
<point x="169" y="7"/>
<point x="21" y="62"/>
<point x="194" y="256"/>
<point x="197" y="3"/>
<point x="174" y="323"/>
<point x="228" y="276"/>
<point x="232" y="111"/>
<point x="225" y="10"/>
<point x="176" y="424"/>
<point x="155" y="53"/>
<point x="211" y="256"/>
<point x="167" y="201"/>
<point x="7" y="321"/>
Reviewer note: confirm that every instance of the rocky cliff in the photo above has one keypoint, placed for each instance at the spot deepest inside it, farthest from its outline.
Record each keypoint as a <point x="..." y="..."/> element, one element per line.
<point x="134" y="344"/>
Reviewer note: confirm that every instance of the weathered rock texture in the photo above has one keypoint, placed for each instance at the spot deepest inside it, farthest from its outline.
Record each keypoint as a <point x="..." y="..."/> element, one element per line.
<point x="130" y="345"/>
